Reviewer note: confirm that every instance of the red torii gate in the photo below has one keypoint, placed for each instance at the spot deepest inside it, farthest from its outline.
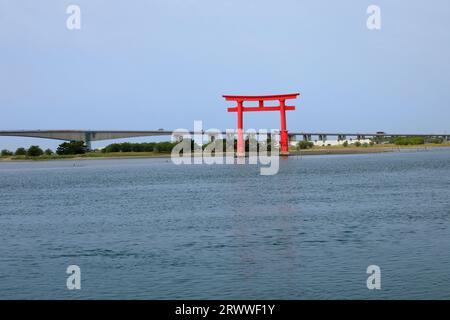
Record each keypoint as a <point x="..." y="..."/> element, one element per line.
<point x="282" y="107"/>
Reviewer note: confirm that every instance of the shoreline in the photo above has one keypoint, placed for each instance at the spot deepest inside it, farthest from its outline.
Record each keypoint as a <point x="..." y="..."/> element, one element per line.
<point x="305" y="152"/>
<point x="363" y="150"/>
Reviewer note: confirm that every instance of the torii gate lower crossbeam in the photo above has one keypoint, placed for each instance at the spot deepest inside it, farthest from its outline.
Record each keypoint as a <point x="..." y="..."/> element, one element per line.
<point x="282" y="107"/>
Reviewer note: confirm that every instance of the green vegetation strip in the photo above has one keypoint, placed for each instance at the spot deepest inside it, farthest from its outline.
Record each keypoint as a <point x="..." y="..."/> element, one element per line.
<point x="78" y="150"/>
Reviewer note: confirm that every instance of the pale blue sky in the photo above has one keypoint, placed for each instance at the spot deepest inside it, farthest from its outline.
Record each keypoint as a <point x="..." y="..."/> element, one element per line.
<point x="143" y="65"/>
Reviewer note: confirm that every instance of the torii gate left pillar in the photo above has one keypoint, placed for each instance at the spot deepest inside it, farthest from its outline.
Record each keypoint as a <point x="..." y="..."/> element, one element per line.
<point x="282" y="107"/>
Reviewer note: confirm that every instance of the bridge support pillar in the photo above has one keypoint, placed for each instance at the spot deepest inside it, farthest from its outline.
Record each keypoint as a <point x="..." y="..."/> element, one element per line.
<point x="292" y="139"/>
<point x="87" y="140"/>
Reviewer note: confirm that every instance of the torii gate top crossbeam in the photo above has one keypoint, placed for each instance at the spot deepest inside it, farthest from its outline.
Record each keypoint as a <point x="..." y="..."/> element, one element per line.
<point x="261" y="99"/>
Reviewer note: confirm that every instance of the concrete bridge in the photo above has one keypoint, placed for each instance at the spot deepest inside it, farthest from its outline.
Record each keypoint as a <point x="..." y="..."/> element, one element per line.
<point x="87" y="136"/>
<point x="308" y="136"/>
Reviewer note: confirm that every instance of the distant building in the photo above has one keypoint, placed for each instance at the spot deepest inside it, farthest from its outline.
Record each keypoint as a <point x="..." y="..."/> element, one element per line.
<point x="323" y="143"/>
<point x="326" y="142"/>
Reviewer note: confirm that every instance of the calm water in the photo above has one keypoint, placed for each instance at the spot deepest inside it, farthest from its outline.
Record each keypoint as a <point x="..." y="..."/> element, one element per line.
<point x="147" y="229"/>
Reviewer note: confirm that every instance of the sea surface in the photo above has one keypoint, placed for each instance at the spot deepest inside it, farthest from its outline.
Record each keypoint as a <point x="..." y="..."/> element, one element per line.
<point x="148" y="229"/>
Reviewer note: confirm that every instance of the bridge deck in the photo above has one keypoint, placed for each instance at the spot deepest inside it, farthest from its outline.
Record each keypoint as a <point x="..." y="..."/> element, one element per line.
<point x="98" y="135"/>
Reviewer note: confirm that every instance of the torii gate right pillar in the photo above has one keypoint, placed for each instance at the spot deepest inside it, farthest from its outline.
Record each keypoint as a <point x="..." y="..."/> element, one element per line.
<point x="240" y="130"/>
<point x="284" y="138"/>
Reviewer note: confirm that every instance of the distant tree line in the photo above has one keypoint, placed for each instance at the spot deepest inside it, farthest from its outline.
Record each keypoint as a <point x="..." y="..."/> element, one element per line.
<point x="78" y="147"/>
<point x="66" y="148"/>
<point x="417" y="140"/>
<point x="33" y="151"/>
<point x="221" y="145"/>
<point x="359" y="144"/>
<point x="414" y="140"/>
<point x="404" y="141"/>
<point x="71" y="148"/>
<point x="303" y="144"/>
<point x="165" y="146"/>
